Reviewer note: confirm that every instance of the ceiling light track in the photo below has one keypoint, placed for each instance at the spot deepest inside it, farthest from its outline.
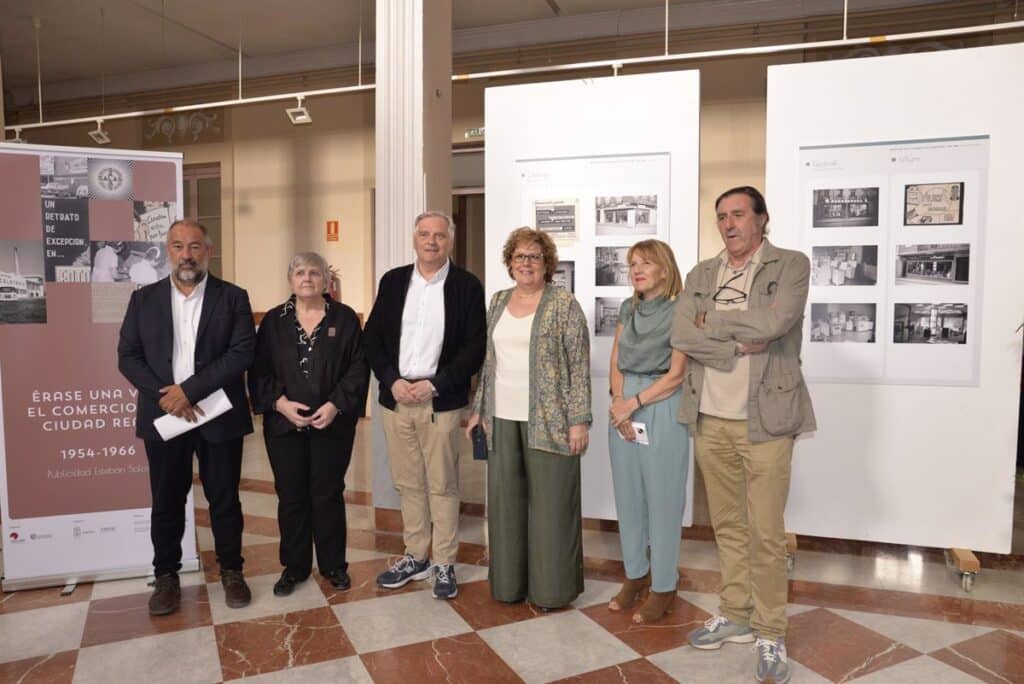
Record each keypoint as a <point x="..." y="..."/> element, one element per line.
<point x="613" y="64"/>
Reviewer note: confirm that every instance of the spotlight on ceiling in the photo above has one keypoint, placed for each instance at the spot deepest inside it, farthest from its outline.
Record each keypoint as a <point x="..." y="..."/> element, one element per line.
<point x="99" y="136"/>
<point x="299" y="114"/>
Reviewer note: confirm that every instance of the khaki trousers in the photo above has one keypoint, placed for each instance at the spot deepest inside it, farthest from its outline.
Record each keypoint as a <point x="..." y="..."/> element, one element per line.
<point x="424" y="454"/>
<point x="747" y="487"/>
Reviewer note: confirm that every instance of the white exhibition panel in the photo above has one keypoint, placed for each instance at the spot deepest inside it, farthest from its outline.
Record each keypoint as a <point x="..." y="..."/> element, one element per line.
<point x="924" y="452"/>
<point x="621" y="149"/>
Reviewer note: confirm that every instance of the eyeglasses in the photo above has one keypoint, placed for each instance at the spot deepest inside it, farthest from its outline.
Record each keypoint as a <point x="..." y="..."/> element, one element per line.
<point x="523" y="257"/>
<point x="726" y="294"/>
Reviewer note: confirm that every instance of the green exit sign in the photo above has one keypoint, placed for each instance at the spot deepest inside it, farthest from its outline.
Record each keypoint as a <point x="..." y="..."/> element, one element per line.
<point x="474" y="133"/>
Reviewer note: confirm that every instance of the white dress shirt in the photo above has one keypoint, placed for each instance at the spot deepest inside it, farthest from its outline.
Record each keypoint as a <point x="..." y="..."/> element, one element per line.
<point x="185" y="312"/>
<point x="419" y="348"/>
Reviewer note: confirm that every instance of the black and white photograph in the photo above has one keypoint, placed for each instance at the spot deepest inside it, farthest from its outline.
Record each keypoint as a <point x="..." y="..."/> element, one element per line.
<point x="610" y="267"/>
<point x="933" y="264"/>
<point x="933" y="204"/>
<point x="117" y="261"/>
<point x="606" y="315"/>
<point x="626" y="215"/>
<point x="843" y="322"/>
<point x="556" y="217"/>
<point x="22" y="287"/>
<point x="565" y="276"/>
<point x="63" y="177"/>
<point x="66" y="239"/>
<point x="839" y="265"/>
<point x="110" y="179"/>
<point x="152" y="220"/>
<point x="845" y="207"/>
<point x="930" y="324"/>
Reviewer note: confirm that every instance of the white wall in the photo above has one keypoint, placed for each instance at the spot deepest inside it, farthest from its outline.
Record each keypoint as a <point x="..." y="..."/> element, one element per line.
<point x="923" y="465"/>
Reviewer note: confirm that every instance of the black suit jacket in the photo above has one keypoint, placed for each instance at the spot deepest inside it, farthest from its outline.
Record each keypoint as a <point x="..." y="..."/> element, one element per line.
<point x="465" y="335"/>
<point x="340" y="373"/>
<point x="225" y="343"/>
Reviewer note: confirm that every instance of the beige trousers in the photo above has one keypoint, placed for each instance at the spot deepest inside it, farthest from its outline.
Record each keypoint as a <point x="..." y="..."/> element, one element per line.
<point x="424" y="454"/>
<point x="747" y="486"/>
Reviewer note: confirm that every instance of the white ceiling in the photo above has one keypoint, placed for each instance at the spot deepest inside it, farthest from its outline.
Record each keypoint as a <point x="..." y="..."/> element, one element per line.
<point x="150" y="44"/>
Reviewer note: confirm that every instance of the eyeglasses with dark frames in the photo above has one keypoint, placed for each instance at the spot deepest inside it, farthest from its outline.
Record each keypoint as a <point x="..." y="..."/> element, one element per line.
<point x="727" y="294"/>
<point x="523" y="257"/>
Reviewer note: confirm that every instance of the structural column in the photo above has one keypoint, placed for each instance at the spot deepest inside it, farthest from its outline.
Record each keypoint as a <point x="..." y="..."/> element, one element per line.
<point x="413" y="121"/>
<point x="413" y="152"/>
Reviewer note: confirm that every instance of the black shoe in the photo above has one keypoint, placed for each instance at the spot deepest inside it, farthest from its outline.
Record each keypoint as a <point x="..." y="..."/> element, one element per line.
<point x="166" y="595"/>
<point x="339" y="579"/>
<point x="286" y="585"/>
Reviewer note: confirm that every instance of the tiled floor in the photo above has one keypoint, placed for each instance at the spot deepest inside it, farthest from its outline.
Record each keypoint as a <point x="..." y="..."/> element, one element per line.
<point x="852" y="617"/>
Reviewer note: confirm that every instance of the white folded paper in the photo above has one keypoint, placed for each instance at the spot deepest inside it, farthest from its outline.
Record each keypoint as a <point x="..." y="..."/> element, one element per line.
<point x="212" y="406"/>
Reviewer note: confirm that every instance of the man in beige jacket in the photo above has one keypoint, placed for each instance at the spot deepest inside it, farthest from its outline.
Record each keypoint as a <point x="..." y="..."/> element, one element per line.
<point x="740" y="320"/>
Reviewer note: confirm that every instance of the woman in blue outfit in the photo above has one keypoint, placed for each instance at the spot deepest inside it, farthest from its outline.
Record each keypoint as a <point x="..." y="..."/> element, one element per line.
<point x="649" y="447"/>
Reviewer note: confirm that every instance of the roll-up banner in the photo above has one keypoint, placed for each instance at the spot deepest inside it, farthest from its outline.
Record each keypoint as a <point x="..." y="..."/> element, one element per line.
<point x="80" y="230"/>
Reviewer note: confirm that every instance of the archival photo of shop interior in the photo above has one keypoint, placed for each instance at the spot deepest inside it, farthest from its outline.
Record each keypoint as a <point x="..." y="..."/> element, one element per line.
<point x="843" y="322"/>
<point x="845" y="207"/>
<point x="607" y="316"/>
<point x="844" y="265"/>
<point x="930" y="324"/>
<point x="626" y="215"/>
<point x="565" y="276"/>
<point x="610" y="267"/>
<point x="947" y="264"/>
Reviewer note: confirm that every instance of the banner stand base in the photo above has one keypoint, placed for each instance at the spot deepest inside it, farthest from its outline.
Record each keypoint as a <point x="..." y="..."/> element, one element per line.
<point x="8" y="585"/>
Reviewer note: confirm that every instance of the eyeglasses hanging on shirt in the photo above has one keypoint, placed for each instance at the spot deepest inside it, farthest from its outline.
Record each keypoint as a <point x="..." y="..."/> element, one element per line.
<point x="727" y="294"/>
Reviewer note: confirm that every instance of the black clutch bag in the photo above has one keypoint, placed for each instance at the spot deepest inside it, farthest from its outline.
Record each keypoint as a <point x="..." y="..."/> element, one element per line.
<point x="479" y="440"/>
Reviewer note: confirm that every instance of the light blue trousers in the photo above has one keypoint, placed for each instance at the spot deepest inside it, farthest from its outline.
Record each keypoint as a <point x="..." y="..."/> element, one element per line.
<point x="650" y="488"/>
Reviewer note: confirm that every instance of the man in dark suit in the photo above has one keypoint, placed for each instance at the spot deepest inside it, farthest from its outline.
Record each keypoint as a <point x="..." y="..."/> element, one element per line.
<point x="425" y="340"/>
<point x="183" y="338"/>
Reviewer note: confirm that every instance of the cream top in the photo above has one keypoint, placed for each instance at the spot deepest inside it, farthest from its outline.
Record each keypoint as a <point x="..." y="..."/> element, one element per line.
<point x="512" y="368"/>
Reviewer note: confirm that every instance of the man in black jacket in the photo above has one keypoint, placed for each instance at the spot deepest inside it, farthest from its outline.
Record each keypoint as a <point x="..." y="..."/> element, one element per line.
<point x="424" y="339"/>
<point x="183" y="338"/>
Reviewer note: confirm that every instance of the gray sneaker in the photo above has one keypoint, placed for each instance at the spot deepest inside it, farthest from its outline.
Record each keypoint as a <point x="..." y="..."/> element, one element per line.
<point x="718" y="630"/>
<point x="772" y="666"/>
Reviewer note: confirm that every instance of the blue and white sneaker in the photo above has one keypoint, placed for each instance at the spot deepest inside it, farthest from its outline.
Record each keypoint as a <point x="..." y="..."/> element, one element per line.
<point x="718" y="630"/>
<point x="445" y="586"/>
<point x="406" y="569"/>
<point x="772" y="665"/>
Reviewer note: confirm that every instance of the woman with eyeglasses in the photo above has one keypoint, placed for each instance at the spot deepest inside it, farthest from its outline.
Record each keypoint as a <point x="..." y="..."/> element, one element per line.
<point x="533" y="402"/>
<point x="649" y="447"/>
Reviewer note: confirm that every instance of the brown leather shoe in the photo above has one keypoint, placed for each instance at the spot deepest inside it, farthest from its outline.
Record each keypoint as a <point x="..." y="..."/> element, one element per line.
<point x="166" y="596"/>
<point x="236" y="591"/>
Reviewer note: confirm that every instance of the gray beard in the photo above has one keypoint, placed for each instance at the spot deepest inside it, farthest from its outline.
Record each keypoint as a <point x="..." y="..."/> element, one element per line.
<point x="194" y="277"/>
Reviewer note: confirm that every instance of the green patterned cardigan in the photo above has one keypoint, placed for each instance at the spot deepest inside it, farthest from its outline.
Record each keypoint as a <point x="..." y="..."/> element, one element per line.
<point x="559" y="370"/>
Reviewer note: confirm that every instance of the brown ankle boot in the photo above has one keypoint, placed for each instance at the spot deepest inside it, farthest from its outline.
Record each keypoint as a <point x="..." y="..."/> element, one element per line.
<point x="658" y="603"/>
<point x="236" y="591"/>
<point x="631" y="591"/>
<point x="166" y="595"/>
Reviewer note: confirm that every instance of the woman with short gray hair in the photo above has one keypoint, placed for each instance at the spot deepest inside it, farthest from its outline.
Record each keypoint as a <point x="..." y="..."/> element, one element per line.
<point x="310" y="380"/>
